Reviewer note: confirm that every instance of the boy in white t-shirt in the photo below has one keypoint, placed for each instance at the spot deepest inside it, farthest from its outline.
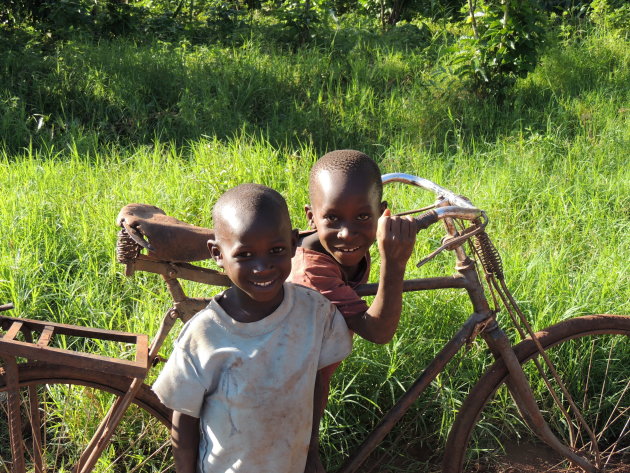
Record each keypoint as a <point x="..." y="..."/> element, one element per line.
<point x="242" y="373"/>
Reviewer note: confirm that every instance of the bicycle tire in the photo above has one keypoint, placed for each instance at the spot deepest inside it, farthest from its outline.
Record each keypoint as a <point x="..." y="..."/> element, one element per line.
<point x="473" y="445"/>
<point x="72" y="401"/>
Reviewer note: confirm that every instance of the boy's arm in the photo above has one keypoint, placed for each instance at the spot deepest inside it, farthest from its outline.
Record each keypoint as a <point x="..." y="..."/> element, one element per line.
<point x="396" y="237"/>
<point x="313" y="461"/>
<point x="185" y="441"/>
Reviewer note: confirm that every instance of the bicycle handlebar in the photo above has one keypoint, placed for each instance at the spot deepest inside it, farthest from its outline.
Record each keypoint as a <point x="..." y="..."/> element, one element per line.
<point x="429" y="218"/>
<point x="423" y="183"/>
<point x="460" y="207"/>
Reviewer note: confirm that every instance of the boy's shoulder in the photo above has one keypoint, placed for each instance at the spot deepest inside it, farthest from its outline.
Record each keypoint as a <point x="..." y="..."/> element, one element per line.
<point x="314" y="263"/>
<point x="200" y="322"/>
<point x="307" y="295"/>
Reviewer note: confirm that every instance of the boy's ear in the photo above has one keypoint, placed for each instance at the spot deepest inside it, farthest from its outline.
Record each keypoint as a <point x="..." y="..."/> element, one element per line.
<point x="383" y="206"/>
<point x="294" y="239"/>
<point x="215" y="252"/>
<point x="310" y="217"/>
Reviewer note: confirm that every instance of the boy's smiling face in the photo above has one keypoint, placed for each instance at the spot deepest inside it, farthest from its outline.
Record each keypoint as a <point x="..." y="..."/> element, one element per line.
<point x="345" y="211"/>
<point x="255" y="250"/>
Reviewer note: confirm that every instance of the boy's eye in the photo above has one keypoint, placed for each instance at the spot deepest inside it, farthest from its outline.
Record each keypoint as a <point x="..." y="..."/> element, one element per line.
<point x="277" y="250"/>
<point x="244" y="254"/>
<point x="331" y="218"/>
<point x="363" y="217"/>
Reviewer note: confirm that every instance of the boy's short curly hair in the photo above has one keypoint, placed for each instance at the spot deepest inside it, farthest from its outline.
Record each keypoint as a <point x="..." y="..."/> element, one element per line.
<point x="250" y="198"/>
<point x="348" y="162"/>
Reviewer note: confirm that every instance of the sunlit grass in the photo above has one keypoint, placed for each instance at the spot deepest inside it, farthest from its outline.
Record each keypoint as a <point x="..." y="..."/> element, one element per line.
<point x="552" y="175"/>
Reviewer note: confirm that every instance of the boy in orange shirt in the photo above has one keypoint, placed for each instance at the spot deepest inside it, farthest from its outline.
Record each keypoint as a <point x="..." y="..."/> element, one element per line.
<point x="346" y="215"/>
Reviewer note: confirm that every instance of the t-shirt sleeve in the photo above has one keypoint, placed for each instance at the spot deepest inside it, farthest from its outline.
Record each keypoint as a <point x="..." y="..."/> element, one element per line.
<point x="326" y="279"/>
<point x="337" y="339"/>
<point x="179" y="384"/>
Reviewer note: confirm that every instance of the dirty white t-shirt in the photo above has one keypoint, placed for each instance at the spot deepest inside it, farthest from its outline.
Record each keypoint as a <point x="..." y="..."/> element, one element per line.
<point x="251" y="384"/>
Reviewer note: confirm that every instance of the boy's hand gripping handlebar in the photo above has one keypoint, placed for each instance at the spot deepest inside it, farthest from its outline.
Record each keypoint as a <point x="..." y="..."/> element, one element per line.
<point x="428" y="218"/>
<point x="448" y="206"/>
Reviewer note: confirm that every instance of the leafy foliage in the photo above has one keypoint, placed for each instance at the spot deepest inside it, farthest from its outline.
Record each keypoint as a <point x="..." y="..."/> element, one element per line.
<point x="490" y="43"/>
<point x="614" y="14"/>
<point x="503" y="42"/>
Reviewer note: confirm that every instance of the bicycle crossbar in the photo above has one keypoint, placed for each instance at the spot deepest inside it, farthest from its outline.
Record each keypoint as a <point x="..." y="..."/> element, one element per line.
<point x="42" y="352"/>
<point x="423" y="284"/>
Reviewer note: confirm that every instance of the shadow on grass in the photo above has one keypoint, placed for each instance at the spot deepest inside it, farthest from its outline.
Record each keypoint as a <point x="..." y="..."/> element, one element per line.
<point x="88" y="94"/>
<point x="350" y="88"/>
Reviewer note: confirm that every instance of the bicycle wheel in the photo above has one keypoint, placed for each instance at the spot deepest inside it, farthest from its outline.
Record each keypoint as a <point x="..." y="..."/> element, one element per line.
<point x="592" y="357"/>
<point x="70" y="404"/>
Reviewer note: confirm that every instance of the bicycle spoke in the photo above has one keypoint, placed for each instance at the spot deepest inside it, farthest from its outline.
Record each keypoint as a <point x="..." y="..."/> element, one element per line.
<point x="601" y="394"/>
<point x="591" y="356"/>
<point x="59" y="420"/>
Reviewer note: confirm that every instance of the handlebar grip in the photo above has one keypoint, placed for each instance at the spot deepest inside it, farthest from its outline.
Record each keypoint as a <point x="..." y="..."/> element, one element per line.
<point x="426" y="219"/>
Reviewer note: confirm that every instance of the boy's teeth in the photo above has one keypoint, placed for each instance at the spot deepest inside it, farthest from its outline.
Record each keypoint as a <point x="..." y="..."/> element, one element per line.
<point x="348" y="250"/>
<point x="263" y="284"/>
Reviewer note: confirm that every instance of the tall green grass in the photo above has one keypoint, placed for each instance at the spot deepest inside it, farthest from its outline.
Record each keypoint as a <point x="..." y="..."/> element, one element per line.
<point x="103" y="125"/>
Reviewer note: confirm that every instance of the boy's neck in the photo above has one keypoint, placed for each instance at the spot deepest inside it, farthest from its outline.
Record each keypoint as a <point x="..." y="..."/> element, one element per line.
<point x="243" y="308"/>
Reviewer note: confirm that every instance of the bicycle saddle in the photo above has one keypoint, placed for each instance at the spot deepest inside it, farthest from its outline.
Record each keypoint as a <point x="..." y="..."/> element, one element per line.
<point x="164" y="237"/>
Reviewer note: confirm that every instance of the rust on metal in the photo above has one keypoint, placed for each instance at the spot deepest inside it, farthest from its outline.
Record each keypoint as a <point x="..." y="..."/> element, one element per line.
<point x="14" y="329"/>
<point x="46" y="336"/>
<point x="127" y="250"/>
<point x="14" y="414"/>
<point x="522" y="394"/>
<point x="186" y="271"/>
<point x="42" y="352"/>
<point x="424" y="284"/>
<point x="74" y="330"/>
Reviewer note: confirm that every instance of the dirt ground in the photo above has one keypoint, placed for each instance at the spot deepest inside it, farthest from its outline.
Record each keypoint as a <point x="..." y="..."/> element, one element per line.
<point x="519" y="458"/>
<point x="532" y="458"/>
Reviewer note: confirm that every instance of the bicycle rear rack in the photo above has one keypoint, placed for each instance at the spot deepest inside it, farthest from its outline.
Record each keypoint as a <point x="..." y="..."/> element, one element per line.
<point x="41" y="351"/>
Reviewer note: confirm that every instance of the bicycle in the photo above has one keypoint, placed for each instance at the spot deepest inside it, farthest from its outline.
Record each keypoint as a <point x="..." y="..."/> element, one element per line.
<point x="583" y="413"/>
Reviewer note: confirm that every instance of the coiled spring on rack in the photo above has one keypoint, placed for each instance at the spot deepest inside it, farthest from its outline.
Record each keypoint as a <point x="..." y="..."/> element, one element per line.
<point x="489" y="255"/>
<point x="126" y="248"/>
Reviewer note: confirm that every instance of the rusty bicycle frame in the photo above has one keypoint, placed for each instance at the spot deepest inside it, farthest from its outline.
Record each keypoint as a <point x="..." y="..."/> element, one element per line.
<point x="482" y="322"/>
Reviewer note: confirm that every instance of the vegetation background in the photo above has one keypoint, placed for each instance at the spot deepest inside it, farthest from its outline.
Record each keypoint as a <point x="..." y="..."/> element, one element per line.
<point x="522" y="106"/>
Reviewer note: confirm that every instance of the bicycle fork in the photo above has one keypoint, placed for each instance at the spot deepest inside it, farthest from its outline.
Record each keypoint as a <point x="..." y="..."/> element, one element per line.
<point x="517" y="381"/>
<point x="523" y="396"/>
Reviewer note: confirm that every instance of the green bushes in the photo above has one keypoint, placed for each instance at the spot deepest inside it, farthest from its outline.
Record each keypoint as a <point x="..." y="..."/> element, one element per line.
<point x="356" y="88"/>
<point x="502" y="43"/>
<point x="614" y="14"/>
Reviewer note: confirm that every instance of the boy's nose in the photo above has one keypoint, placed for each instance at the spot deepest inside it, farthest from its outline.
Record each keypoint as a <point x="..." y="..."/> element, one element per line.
<point x="262" y="265"/>
<point x="344" y="232"/>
